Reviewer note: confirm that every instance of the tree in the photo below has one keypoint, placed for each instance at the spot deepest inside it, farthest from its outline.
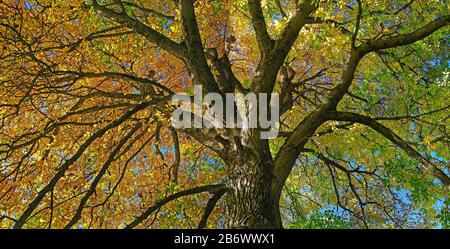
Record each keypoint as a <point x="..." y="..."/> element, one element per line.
<point x="86" y="139"/>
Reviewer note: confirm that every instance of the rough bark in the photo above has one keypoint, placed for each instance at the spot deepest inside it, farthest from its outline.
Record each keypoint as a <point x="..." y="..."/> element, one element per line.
<point x="250" y="202"/>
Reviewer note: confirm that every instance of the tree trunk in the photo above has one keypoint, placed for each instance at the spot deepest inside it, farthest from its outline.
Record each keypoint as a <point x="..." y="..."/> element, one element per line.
<point x="250" y="202"/>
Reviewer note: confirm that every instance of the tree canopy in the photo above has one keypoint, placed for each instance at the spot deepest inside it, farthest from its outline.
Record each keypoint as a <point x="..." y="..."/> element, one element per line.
<point x="86" y="139"/>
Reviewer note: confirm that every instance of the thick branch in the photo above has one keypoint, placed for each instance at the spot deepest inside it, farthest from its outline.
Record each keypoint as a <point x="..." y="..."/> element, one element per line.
<point x="394" y="138"/>
<point x="405" y="39"/>
<point x="271" y="63"/>
<point x="195" y="57"/>
<point x="372" y="45"/>
<point x="210" y="207"/>
<point x="259" y="25"/>
<point x="152" y="35"/>
<point x="293" y="27"/>
<point x="208" y="188"/>
<point x="294" y="144"/>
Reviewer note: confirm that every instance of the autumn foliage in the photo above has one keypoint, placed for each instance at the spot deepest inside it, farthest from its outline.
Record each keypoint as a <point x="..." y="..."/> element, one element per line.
<point x="85" y="134"/>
